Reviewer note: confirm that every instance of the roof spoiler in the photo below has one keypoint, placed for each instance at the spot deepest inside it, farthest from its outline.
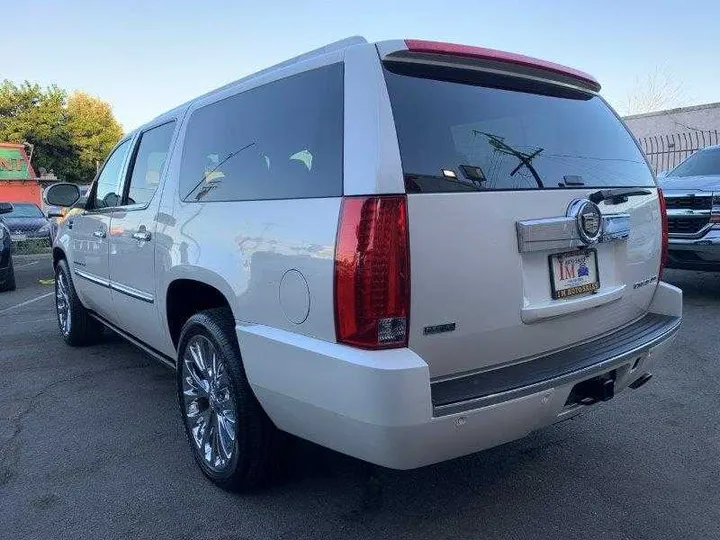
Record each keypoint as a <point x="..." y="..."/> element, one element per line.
<point x="395" y="50"/>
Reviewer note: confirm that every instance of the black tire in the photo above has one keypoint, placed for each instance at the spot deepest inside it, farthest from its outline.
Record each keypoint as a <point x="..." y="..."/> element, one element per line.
<point x="9" y="284"/>
<point x="258" y="444"/>
<point x="83" y="329"/>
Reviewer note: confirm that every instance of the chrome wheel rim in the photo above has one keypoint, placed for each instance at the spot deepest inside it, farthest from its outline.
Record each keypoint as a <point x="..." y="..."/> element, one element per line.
<point x="208" y="404"/>
<point x="62" y="302"/>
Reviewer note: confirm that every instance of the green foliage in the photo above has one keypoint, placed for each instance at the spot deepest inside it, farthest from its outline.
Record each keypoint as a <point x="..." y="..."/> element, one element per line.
<point x="94" y="132"/>
<point x="69" y="134"/>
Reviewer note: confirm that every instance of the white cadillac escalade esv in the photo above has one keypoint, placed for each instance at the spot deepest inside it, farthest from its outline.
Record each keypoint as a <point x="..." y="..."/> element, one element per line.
<point x="405" y="251"/>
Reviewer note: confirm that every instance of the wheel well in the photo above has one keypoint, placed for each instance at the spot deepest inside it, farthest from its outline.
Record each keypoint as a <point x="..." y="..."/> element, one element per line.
<point x="185" y="298"/>
<point x="58" y="255"/>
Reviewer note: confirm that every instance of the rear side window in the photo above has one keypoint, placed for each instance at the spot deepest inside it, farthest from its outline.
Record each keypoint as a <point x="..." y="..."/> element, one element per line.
<point x="702" y="163"/>
<point x="457" y="136"/>
<point x="282" y="140"/>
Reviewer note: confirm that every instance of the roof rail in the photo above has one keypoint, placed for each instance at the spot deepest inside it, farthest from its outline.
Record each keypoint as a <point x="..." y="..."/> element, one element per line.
<point x="334" y="46"/>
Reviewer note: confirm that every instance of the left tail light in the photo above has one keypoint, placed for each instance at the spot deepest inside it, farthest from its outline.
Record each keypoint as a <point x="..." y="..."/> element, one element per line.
<point x="372" y="272"/>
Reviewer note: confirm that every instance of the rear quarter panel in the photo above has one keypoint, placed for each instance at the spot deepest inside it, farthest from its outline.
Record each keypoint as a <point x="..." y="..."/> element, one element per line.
<point x="244" y="249"/>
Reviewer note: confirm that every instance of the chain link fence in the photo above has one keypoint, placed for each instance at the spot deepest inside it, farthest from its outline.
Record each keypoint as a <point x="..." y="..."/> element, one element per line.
<point x="666" y="151"/>
<point x="30" y="247"/>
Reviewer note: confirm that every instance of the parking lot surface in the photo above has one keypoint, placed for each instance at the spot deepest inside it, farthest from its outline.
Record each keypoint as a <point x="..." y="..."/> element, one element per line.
<point x="91" y="446"/>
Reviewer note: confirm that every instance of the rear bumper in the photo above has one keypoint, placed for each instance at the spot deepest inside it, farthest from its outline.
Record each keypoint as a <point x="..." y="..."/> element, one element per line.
<point x="378" y="405"/>
<point x="695" y="254"/>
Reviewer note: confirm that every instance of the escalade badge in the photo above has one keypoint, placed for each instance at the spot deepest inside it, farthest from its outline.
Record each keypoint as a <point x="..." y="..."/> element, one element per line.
<point x="588" y="220"/>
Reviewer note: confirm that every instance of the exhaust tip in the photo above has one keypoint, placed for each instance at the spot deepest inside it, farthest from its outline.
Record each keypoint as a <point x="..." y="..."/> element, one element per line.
<point x="640" y="381"/>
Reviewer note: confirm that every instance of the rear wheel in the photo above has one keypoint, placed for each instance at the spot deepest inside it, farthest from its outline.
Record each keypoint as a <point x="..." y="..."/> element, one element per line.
<point x="9" y="284"/>
<point x="76" y="325"/>
<point x="233" y="441"/>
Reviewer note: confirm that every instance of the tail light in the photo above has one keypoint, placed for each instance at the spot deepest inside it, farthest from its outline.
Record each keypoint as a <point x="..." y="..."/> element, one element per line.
<point x="372" y="272"/>
<point x="664" y="237"/>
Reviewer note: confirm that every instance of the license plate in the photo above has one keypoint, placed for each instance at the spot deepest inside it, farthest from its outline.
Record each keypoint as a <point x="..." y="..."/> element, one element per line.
<point x="18" y="237"/>
<point x="574" y="273"/>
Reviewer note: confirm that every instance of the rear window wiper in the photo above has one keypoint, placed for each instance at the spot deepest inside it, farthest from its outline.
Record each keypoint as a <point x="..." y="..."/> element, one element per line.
<point x="616" y="195"/>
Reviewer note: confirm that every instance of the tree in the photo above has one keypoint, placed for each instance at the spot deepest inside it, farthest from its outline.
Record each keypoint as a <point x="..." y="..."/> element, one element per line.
<point x="68" y="135"/>
<point x="36" y="116"/>
<point x="656" y="92"/>
<point x="94" y="131"/>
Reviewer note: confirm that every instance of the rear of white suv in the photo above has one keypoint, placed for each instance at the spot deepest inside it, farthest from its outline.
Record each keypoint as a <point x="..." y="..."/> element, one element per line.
<point x="499" y="273"/>
<point x="405" y="251"/>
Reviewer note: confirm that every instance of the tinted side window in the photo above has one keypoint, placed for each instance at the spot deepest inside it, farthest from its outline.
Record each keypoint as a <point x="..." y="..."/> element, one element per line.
<point x="279" y="141"/>
<point x="148" y="163"/>
<point x="109" y="182"/>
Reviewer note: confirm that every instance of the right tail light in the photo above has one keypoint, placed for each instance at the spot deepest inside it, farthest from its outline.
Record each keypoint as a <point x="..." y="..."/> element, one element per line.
<point x="664" y="237"/>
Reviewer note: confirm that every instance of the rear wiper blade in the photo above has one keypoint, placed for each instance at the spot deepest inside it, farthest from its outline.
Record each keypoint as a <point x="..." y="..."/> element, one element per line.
<point x="617" y="195"/>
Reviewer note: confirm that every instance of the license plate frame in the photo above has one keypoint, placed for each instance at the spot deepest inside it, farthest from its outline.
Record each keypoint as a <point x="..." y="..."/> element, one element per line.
<point x="581" y="288"/>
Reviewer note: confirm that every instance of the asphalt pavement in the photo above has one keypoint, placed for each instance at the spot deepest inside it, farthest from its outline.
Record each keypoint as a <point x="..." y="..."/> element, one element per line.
<point x="91" y="446"/>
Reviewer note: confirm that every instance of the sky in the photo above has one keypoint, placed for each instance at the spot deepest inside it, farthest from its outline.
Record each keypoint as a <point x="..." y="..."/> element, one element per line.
<point x="145" y="57"/>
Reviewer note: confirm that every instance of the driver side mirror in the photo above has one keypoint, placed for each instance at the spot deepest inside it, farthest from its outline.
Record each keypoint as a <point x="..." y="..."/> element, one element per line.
<point x="6" y="207"/>
<point x="63" y="194"/>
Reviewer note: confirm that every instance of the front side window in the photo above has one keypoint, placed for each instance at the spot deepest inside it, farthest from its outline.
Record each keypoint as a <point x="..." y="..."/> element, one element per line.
<point x="107" y="192"/>
<point x="702" y="163"/>
<point x="282" y="140"/>
<point x="148" y="163"/>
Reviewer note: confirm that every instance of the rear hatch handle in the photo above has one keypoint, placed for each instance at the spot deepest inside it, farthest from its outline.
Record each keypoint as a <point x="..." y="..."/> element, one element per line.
<point x="617" y="195"/>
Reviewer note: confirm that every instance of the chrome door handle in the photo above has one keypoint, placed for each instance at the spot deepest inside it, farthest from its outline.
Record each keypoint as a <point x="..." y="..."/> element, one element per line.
<point x="99" y="234"/>
<point x="142" y="235"/>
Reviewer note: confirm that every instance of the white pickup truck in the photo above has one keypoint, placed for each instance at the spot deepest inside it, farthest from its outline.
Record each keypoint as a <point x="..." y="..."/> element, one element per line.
<point x="405" y="251"/>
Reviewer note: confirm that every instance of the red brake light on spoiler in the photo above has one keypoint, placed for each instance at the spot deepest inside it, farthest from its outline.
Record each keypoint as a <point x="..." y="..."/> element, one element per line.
<point x="435" y="47"/>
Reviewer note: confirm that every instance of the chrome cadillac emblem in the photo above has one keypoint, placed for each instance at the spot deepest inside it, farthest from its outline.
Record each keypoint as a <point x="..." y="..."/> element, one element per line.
<point x="588" y="220"/>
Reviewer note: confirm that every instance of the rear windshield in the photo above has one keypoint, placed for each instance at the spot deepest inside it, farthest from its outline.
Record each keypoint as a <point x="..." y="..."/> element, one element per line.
<point x="25" y="210"/>
<point x="702" y="163"/>
<point x="456" y="136"/>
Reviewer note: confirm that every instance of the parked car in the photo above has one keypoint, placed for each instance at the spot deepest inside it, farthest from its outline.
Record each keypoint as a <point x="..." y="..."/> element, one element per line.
<point x="7" y="272"/>
<point x="405" y="251"/>
<point x="692" y="196"/>
<point x="27" y="222"/>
